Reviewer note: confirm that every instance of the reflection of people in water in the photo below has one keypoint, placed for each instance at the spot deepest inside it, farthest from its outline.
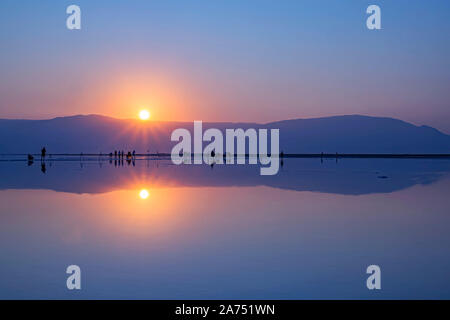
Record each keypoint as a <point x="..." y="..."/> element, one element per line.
<point x="30" y="160"/>
<point x="43" y="169"/>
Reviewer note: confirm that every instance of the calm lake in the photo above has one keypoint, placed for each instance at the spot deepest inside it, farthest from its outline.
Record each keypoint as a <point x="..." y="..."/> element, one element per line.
<point x="153" y="230"/>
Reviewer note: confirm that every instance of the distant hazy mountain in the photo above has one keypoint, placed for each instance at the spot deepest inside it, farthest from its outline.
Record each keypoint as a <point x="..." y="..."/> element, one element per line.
<point x="342" y="134"/>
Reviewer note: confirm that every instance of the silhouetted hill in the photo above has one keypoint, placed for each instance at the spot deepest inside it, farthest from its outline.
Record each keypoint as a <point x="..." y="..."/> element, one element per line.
<point x="361" y="134"/>
<point x="343" y="134"/>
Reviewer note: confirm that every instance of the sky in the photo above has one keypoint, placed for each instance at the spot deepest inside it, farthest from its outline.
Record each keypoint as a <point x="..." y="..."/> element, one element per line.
<point x="234" y="60"/>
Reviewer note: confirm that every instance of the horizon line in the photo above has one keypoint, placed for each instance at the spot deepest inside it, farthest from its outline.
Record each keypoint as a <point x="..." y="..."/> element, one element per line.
<point x="441" y="131"/>
<point x="208" y="121"/>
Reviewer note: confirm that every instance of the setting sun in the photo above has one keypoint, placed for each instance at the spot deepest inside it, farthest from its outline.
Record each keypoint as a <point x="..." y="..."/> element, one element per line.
<point x="143" y="194"/>
<point x="144" y="115"/>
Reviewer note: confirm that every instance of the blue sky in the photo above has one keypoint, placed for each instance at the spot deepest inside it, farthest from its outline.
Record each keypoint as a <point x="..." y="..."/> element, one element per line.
<point x="226" y="60"/>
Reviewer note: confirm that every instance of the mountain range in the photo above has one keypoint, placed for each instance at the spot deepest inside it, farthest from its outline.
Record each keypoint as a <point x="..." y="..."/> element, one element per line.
<point x="342" y="134"/>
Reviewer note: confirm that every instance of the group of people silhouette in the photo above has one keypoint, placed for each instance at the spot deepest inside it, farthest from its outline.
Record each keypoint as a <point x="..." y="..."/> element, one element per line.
<point x="43" y="154"/>
<point x="121" y="154"/>
<point x="117" y="155"/>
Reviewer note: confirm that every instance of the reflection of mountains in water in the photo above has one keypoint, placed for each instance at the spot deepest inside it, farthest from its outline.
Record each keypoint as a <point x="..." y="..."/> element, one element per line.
<point x="347" y="176"/>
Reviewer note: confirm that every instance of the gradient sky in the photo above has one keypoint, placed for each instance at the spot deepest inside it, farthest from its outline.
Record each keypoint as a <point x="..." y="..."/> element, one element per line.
<point x="237" y="60"/>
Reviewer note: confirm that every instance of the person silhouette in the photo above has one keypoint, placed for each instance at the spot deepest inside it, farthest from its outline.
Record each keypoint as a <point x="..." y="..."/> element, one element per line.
<point x="43" y="152"/>
<point x="30" y="160"/>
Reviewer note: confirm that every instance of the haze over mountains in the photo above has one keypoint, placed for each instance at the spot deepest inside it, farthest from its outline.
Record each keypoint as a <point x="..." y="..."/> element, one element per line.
<point x="342" y="134"/>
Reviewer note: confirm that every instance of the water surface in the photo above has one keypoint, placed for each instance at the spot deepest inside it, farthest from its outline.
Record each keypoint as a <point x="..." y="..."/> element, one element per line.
<point x="225" y="232"/>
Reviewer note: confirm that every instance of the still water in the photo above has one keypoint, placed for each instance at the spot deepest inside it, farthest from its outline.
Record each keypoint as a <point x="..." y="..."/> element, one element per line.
<point x="153" y="230"/>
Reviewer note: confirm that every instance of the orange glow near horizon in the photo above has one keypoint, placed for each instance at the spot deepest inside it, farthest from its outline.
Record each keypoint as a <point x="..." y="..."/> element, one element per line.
<point x="128" y="92"/>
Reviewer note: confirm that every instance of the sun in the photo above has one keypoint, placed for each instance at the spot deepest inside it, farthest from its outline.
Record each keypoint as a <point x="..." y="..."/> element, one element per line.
<point x="144" y="115"/>
<point x="144" y="194"/>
